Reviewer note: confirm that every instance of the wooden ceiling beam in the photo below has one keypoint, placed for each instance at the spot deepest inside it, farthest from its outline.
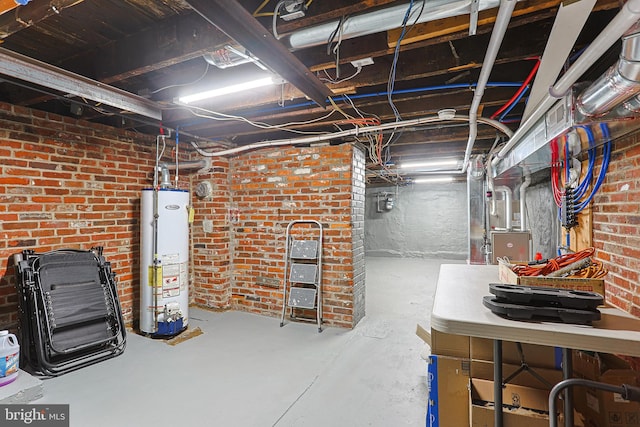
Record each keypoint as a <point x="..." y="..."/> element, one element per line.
<point x="375" y="45"/>
<point x="457" y="24"/>
<point x="232" y="19"/>
<point x="460" y="24"/>
<point x="31" y="14"/>
<point x="321" y="11"/>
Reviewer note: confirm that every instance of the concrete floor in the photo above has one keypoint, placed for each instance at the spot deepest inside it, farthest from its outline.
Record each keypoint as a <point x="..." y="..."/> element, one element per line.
<point x="247" y="371"/>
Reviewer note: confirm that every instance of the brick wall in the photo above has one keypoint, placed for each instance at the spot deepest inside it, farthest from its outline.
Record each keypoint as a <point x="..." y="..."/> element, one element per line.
<point x="70" y="184"/>
<point x="271" y="187"/>
<point x="73" y="184"/>
<point x="210" y="235"/>
<point x="616" y="225"/>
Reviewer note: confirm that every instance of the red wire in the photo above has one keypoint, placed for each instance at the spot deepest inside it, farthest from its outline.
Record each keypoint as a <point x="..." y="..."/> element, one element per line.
<point x="522" y="88"/>
<point x="553" y="264"/>
<point x="555" y="173"/>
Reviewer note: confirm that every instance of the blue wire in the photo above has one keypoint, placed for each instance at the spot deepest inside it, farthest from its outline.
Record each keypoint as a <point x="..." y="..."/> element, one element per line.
<point x="584" y="185"/>
<point x="513" y="104"/>
<point x="603" y="169"/>
<point x="375" y="94"/>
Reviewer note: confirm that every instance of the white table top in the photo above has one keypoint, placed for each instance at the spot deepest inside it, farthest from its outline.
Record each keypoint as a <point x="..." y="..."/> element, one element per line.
<point x="458" y="309"/>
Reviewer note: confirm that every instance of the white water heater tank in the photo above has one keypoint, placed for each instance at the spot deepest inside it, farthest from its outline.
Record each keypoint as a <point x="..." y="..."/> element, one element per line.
<point x="164" y="294"/>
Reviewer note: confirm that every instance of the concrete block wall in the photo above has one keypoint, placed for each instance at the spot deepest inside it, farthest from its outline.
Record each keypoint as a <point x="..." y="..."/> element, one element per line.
<point x="616" y="225"/>
<point x="70" y="184"/>
<point x="272" y="187"/>
<point x="357" y="244"/>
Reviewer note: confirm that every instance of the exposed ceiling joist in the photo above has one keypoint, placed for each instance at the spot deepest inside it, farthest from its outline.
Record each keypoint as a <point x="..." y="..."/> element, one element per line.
<point x="235" y="21"/>
<point x="30" y="14"/>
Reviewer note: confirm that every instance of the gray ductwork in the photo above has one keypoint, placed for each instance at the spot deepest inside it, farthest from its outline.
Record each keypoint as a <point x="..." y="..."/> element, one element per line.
<point x="608" y="109"/>
<point x="533" y="133"/>
<point x="383" y="20"/>
<point x="620" y="83"/>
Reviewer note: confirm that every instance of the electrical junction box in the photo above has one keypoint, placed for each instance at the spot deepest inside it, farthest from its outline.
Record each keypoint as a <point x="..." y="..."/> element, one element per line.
<point x="293" y="9"/>
<point x="510" y="244"/>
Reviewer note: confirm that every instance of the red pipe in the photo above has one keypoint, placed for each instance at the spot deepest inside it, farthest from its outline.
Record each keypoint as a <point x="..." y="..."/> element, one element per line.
<point x="524" y="85"/>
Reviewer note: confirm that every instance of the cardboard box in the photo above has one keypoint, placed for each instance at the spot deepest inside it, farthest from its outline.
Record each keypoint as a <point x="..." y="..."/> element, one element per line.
<point x="484" y="370"/>
<point x="534" y="355"/>
<point x="444" y="344"/>
<point x="506" y="275"/>
<point x="601" y="408"/>
<point x="448" y="403"/>
<point x="513" y="395"/>
<point x="483" y="416"/>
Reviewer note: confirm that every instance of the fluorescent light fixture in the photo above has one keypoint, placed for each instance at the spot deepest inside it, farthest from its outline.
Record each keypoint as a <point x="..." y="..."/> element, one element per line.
<point x="430" y="164"/>
<point x="433" y="180"/>
<point x="240" y="87"/>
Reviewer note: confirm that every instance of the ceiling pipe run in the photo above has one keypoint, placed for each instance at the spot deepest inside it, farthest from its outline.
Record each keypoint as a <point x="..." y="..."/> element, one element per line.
<point x="497" y="35"/>
<point x="619" y="25"/>
<point x="619" y="83"/>
<point x="382" y="20"/>
<point x="350" y="132"/>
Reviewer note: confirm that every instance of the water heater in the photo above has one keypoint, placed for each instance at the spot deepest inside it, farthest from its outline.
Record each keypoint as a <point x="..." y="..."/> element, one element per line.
<point x="164" y="264"/>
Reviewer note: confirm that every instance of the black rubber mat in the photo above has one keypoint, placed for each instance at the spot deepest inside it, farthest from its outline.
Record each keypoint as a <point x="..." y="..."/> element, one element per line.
<point x="528" y="312"/>
<point x="546" y="296"/>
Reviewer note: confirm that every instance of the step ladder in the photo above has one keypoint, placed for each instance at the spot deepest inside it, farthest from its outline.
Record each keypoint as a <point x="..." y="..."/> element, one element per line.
<point x="303" y="273"/>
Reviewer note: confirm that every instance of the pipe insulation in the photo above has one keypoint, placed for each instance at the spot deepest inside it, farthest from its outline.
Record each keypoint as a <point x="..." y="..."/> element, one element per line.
<point x="619" y="25"/>
<point x="497" y="35"/>
<point x="382" y="20"/>
<point x="349" y="132"/>
<point x="619" y="83"/>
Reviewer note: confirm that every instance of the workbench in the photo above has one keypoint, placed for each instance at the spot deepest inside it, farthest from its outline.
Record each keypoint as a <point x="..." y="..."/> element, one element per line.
<point x="458" y="309"/>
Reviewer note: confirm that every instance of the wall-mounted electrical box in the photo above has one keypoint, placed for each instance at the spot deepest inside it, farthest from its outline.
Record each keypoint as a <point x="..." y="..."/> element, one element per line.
<point x="513" y="245"/>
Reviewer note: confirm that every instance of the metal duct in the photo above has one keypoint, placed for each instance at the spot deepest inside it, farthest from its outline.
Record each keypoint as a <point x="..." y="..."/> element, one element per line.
<point x="508" y="207"/>
<point x="534" y="125"/>
<point x="619" y="83"/>
<point x="383" y="20"/>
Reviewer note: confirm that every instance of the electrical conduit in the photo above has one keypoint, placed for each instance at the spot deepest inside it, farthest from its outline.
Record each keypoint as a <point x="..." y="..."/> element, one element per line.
<point x="349" y="132"/>
<point x="497" y="35"/>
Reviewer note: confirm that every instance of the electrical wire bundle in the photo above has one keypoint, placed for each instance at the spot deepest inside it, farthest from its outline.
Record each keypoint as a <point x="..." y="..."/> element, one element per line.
<point x="570" y="196"/>
<point x="574" y="265"/>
